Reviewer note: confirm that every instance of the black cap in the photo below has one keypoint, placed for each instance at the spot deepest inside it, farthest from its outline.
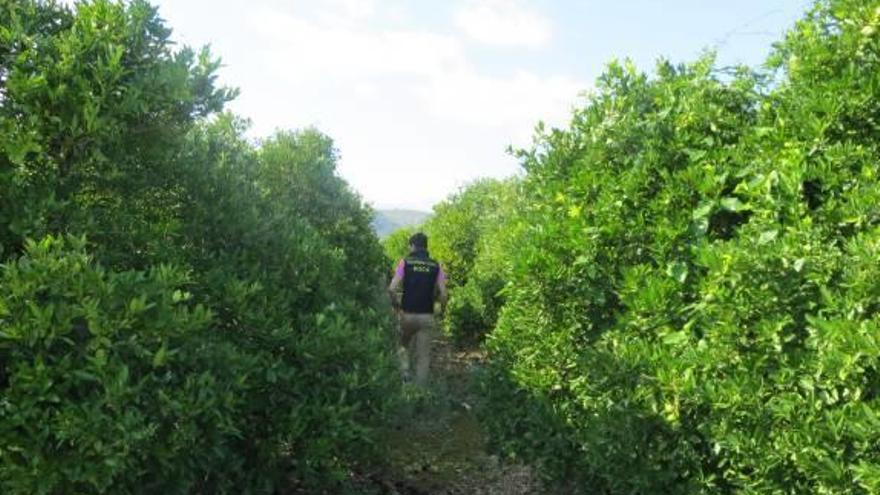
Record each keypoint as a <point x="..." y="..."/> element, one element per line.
<point x="419" y="240"/>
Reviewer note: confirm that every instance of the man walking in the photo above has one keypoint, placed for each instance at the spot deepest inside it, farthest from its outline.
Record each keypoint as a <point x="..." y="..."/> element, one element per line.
<point x="423" y="282"/>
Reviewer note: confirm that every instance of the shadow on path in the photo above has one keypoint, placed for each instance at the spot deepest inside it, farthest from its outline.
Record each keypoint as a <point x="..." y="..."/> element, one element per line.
<point x="437" y="445"/>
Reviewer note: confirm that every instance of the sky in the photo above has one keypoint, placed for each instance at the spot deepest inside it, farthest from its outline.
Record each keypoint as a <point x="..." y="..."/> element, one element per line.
<point x="422" y="97"/>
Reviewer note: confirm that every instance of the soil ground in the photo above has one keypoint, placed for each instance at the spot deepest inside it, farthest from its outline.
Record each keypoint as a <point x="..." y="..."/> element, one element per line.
<point x="438" y="446"/>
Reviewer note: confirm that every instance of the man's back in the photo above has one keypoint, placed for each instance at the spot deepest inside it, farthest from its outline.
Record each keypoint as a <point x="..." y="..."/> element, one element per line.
<point x="422" y="280"/>
<point x="420" y="276"/>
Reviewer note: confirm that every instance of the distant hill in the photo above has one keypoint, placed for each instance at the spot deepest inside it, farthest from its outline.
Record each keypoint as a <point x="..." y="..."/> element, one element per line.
<point x="387" y="221"/>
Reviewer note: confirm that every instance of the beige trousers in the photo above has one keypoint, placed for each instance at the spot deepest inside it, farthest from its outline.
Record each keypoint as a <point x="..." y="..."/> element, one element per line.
<point x="416" y="333"/>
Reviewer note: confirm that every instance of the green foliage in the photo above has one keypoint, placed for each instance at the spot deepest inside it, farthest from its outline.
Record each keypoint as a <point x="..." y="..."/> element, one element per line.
<point x="289" y="290"/>
<point x="103" y="383"/>
<point x="465" y="235"/>
<point x="92" y="110"/>
<point x="692" y="299"/>
<point x="458" y="224"/>
<point x="387" y="222"/>
<point x="476" y="301"/>
<point x="298" y="170"/>
<point x="219" y="331"/>
<point x="396" y="245"/>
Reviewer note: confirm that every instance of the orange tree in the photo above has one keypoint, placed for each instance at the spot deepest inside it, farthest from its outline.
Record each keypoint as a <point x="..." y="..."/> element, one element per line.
<point x="693" y="303"/>
<point x="196" y="314"/>
<point x="466" y="233"/>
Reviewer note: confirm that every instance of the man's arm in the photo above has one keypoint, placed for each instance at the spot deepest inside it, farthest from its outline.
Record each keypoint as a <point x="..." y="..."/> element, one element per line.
<point x="394" y="286"/>
<point x="442" y="293"/>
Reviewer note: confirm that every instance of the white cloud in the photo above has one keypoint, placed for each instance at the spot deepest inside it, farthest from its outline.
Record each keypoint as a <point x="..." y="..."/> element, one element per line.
<point x="355" y="9"/>
<point x="504" y="23"/>
<point x="514" y="103"/>
<point x="433" y="67"/>
<point x="319" y="50"/>
<point x="402" y="103"/>
<point x="399" y="102"/>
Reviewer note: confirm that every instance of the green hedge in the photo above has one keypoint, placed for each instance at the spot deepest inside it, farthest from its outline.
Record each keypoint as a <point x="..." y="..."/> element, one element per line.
<point x="199" y="314"/>
<point x="104" y="386"/>
<point x="468" y="234"/>
<point x="693" y="302"/>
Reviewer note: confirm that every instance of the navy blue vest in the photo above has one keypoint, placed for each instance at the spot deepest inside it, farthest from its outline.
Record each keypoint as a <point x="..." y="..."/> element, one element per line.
<point x="419" y="281"/>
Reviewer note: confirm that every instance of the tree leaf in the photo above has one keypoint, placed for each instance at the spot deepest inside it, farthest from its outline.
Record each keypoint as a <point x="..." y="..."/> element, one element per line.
<point x="733" y="204"/>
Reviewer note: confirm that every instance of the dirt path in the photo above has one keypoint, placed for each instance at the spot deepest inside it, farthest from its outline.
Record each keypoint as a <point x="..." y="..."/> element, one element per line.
<point x="438" y="446"/>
